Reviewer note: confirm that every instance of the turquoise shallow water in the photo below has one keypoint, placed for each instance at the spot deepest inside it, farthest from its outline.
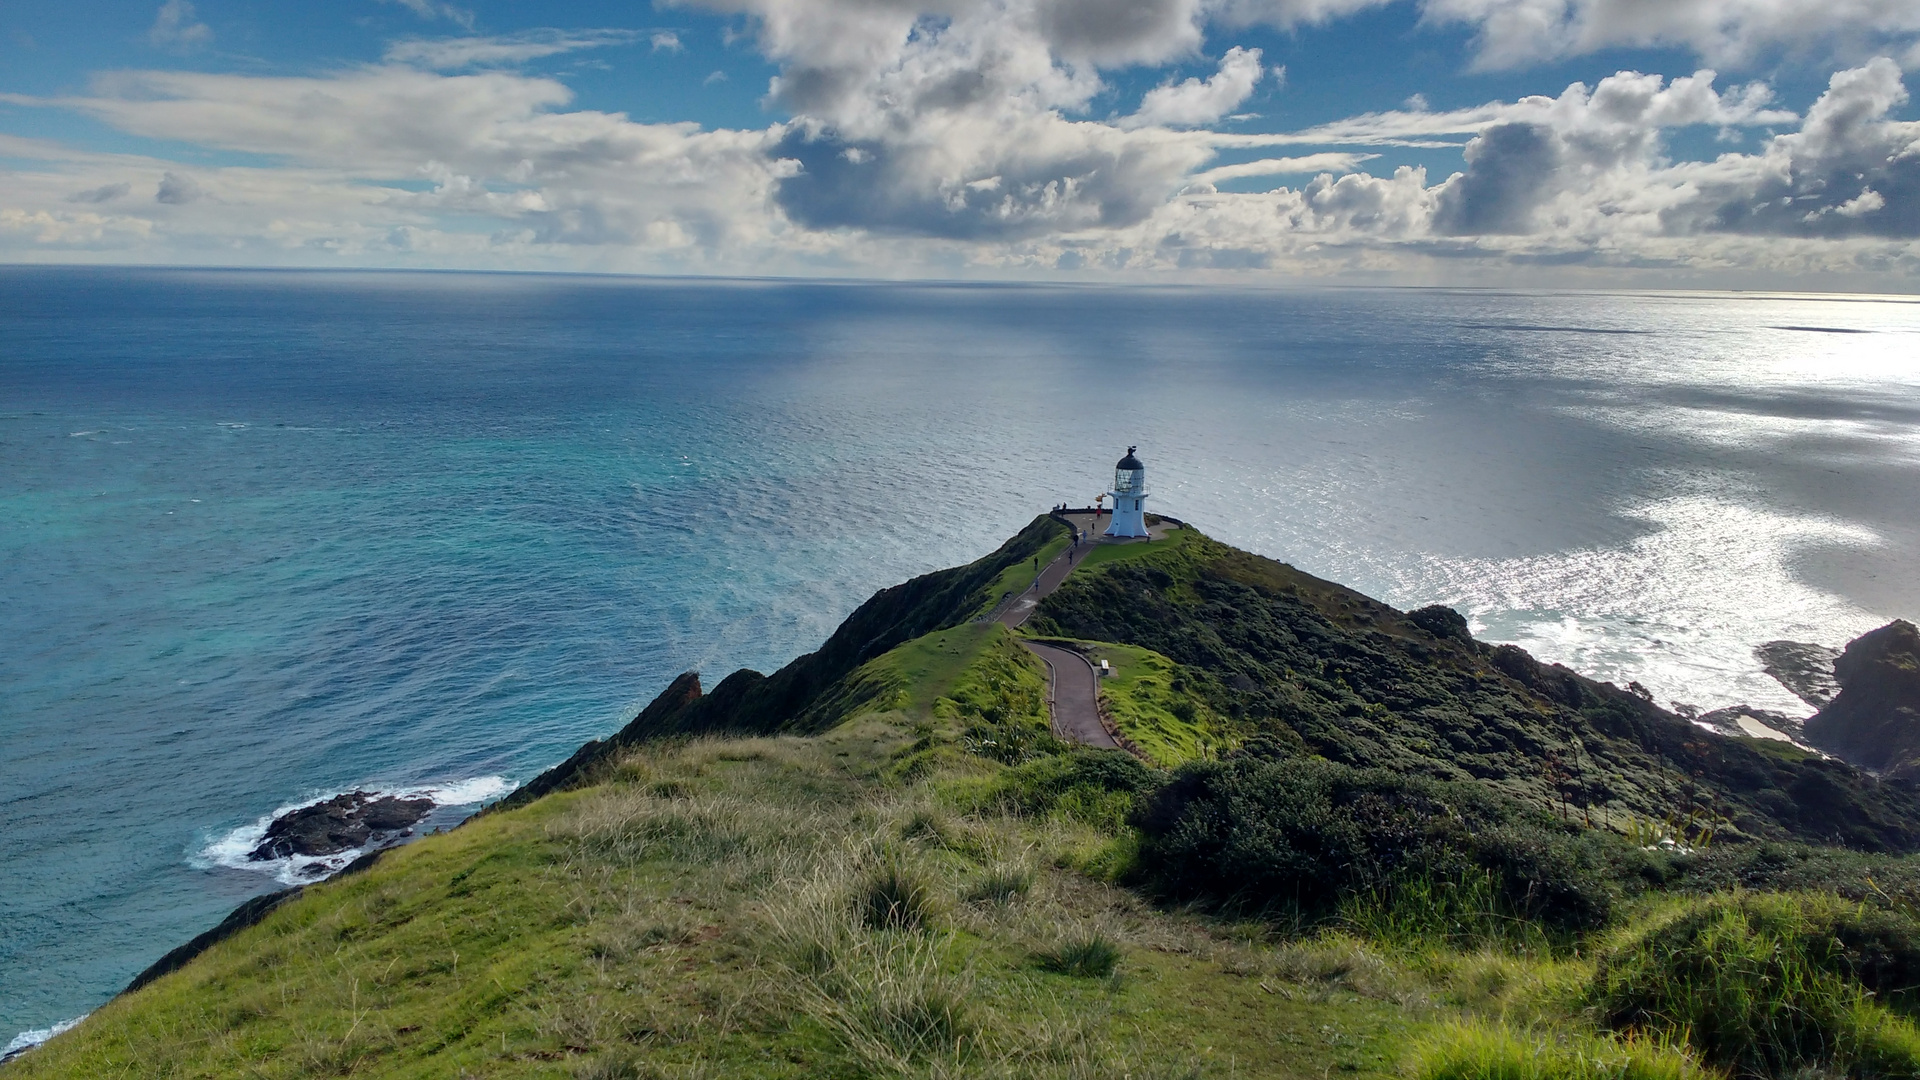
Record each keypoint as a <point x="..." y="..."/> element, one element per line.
<point x="268" y="536"/>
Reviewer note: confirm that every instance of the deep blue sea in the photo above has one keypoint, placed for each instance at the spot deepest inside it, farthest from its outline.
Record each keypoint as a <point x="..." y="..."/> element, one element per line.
<point x="269" y="536"/>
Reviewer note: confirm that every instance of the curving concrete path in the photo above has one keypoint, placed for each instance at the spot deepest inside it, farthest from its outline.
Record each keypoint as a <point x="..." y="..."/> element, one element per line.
<point x="1074" y="696"/>
<point x="1074" y="690"/>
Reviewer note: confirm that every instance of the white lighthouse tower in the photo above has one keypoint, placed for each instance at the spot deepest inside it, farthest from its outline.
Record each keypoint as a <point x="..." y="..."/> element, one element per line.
<point x="1129" y="497"/>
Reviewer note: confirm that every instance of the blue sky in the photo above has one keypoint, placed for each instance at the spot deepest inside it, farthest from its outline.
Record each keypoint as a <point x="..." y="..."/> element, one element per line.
<point x="1747" y="143"/>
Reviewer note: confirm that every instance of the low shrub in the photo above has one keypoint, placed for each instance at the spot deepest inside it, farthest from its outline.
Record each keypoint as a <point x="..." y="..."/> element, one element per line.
<point x="1306" y="836"/>
<point x="1777" y="866"/>
<point x="1767" y="983"/>
<point x="1484" y="1052"/>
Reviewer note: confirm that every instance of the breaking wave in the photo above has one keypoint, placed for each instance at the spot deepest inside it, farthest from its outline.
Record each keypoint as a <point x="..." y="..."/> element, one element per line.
<point x="233" y="849"/>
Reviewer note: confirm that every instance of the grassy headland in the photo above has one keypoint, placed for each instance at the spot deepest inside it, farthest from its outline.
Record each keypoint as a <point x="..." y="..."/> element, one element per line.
<point x="1400" y="852"/>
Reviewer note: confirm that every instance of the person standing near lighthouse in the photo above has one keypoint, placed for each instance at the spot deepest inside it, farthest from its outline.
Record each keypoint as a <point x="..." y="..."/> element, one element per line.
<point x="1129" y="497"/>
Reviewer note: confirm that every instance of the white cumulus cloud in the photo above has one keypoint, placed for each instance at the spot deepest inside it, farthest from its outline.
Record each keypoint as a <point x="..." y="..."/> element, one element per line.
<point x="1513" y="33"/>
<point x="962" y="136"/>
<point x="1194" y="103"/>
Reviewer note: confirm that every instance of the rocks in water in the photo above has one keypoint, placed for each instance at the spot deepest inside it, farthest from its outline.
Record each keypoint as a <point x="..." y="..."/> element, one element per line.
<point x="1803" y="668"/>
<point x="1874" y="721"/>
<point x="339" y="824"/>
<point x="1747" y="721"/>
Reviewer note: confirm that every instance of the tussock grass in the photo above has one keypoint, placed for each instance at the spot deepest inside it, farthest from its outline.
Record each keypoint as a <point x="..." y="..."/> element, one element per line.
<point x="1331" y="965"/>
<point x="1001" y="883"/>
<point x="1091" y="956"/>
<point x="895" y="896"/>
<point x="1468" y="1051"/>
<point x="1425" y="911"/>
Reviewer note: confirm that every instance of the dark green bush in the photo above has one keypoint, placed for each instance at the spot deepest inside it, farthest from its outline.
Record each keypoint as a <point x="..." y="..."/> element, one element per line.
<point x="1764" y="984"/>
<point x="1302" y="835"/>
<point x="1879" y="879"/>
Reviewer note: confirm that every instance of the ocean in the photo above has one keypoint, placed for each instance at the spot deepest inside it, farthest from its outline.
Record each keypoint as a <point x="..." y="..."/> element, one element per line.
<point x="269" y="536"/>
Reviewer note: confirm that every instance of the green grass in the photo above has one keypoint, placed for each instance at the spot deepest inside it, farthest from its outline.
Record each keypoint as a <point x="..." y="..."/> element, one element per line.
<point x="1103" y="554"/>
<point x="1018" y="578"/>
<point x="1767" y="984"/>
<point x="929" y="891"/>
<point x="1468" y="1051"/>
<point x="1149" y="701"/>
<point x="703" y="913"/>
<point x="974" y="673"/>
<point x="926" y="668"/>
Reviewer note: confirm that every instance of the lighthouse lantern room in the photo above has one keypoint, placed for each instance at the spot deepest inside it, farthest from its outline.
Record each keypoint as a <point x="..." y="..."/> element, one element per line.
<point x="1129" y="497"/>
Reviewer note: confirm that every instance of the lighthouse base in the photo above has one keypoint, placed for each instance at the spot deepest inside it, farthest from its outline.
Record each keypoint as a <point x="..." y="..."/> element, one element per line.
<point x="1129" y="517"/>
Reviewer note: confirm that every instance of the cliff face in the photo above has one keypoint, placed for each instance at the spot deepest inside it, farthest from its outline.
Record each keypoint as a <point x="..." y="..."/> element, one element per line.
<point x="813" y="692"/>
<point x="1874" y="722"/>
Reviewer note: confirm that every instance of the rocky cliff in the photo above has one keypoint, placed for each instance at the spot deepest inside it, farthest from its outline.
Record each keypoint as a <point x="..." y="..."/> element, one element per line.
<point x="1874" y="721"/>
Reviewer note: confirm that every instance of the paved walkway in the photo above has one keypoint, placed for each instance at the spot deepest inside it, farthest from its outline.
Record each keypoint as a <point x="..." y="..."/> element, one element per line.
<point x="1073" y="693"/>
<point x="1055" y="572"/>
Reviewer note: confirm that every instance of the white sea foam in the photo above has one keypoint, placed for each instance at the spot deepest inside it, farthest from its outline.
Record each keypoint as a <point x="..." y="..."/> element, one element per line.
<point x="233" y="848"/>
<point x="1677" y="609"/>
<point x="27" y="1040"/>
<point x="480" y="789"/>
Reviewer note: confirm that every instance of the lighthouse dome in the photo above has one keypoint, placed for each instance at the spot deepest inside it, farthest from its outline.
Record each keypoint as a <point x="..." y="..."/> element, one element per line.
<point x="1129" y="476"/>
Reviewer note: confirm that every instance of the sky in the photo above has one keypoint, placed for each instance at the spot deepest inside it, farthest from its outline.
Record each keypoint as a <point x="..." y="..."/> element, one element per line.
<point x="1505" y="143"/>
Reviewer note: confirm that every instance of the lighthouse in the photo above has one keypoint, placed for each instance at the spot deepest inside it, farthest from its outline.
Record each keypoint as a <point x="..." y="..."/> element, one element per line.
<point x="1129" y="497"/>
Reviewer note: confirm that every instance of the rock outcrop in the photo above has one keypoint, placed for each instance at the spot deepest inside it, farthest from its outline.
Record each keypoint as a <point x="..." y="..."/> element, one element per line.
<point x="1801" y="667"/>
<point x="339" y="824"/>
<point x="1874" y="721"/>
<point x="1745" y="721"/>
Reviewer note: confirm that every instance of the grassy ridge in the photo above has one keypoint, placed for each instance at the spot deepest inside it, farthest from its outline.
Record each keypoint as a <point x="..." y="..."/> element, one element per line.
<point x="816" y="691"/>
<point x="1315" y="668"/>
<point x="708" y="911"/>
<point x="935" y="887"/>
<point x="894" y="898"/>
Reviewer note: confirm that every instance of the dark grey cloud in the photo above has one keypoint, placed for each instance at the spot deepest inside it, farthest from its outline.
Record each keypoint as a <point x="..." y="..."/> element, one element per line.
<point x="1119" y="31"/>
<point x="103" y="193"/>
<point x="177" y="190"/>
<point x="1859" y="199"/>
<point x="890" y="188"/>
<point x="1510" y="170"/>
